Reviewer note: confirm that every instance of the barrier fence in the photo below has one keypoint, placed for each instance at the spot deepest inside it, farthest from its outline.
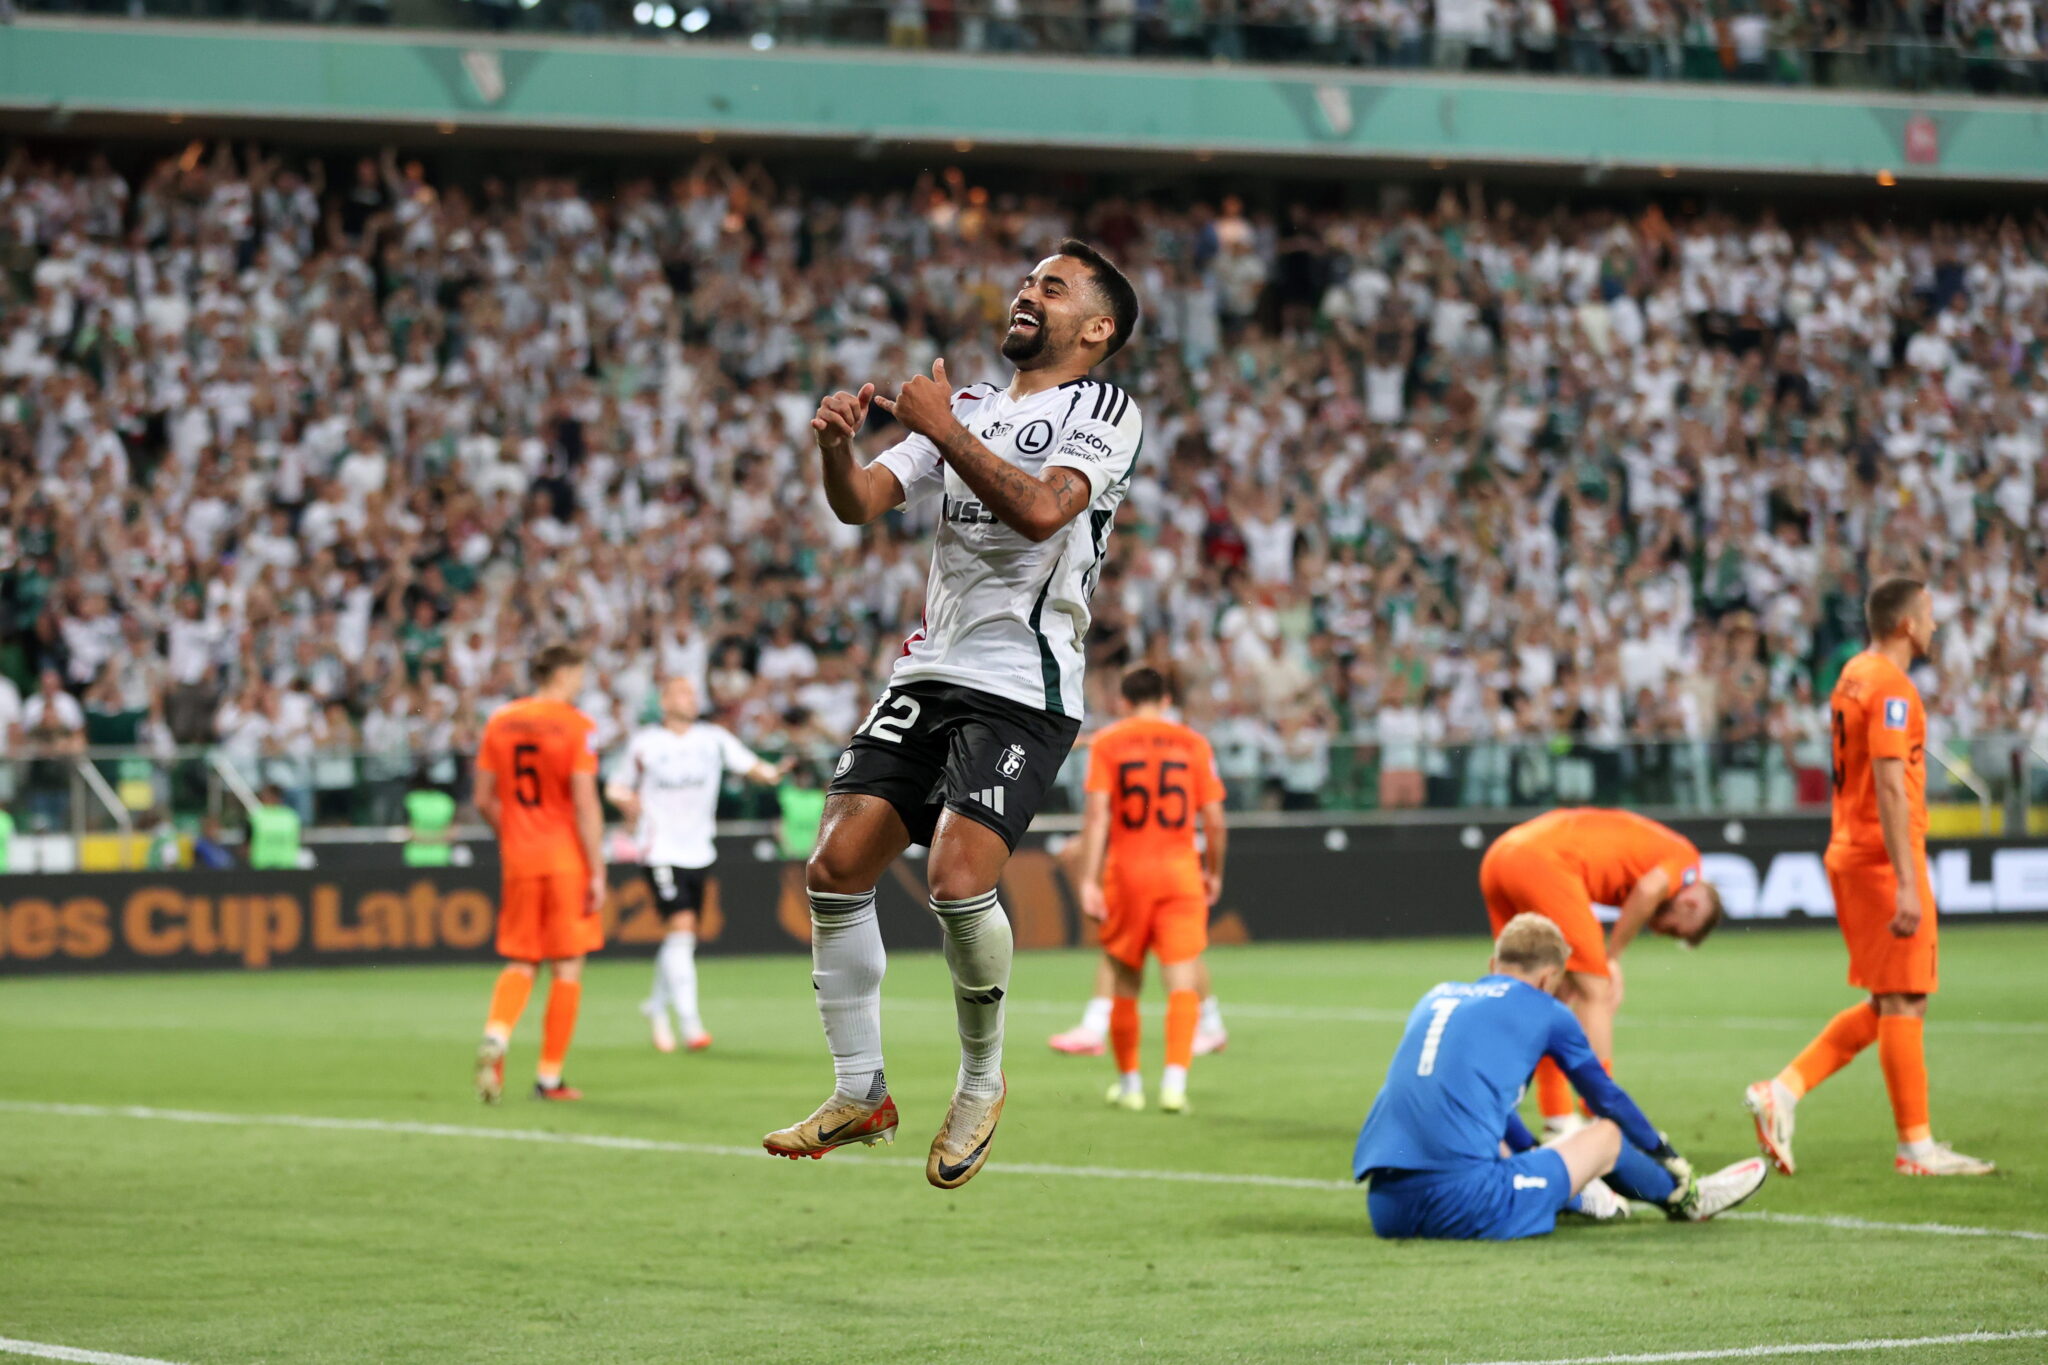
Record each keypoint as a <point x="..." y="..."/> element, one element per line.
<point x="1297" y="881"/>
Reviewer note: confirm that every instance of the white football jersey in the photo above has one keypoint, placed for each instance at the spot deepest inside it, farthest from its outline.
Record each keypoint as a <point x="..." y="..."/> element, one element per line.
<point x="1004" y="614"/>
<point x="677" y="776"/>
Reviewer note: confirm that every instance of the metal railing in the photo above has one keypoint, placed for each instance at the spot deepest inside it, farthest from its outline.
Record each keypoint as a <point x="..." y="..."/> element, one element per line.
<point x="1999" y="780"/>
<point x="1883" y="57"/>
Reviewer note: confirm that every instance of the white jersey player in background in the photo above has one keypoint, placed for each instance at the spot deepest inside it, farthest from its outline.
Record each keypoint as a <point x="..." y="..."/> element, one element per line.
<point x="667" y="786"/>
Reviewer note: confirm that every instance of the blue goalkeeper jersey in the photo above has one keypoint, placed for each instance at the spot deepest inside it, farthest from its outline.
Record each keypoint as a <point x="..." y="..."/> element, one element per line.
<point x="1469" y="1048"/>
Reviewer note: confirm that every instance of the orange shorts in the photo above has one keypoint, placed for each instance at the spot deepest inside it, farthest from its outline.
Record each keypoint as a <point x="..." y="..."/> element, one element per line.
<point x="1160" y="910"/>
<point x="1866" y="897"/>
<point x="548" y="918"/>
<point x="1516" y="879"/>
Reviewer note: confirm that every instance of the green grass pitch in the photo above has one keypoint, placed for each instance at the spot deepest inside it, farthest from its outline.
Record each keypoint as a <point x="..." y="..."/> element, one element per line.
<point x="210" y="1242"/>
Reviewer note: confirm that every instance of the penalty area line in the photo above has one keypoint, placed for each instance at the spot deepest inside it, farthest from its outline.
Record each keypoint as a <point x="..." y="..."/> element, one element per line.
<point x="43" y="1350"/>
<point x="1047" y="1170"/>
<point x="1809" y="1348"/>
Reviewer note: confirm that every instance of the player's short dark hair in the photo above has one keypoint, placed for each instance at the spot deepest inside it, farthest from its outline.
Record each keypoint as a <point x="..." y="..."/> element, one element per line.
<point x="1143" y="684"/>
<point x="552" y="659"/>
<point x="1116" y="290"/>
<point x="1886" y="607"/>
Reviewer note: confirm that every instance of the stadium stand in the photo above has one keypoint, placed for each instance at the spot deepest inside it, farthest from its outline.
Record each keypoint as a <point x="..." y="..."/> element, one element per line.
<point x="300" y="466"/>
<point x="1981" y="46"/>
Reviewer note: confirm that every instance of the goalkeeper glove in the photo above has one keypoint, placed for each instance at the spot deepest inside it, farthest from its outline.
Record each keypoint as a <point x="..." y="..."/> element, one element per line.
<point x="1685" y="1194"/>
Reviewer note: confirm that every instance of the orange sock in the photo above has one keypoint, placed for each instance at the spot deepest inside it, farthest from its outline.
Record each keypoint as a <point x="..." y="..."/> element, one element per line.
<point x="508" y="1002"/>
<point x="1183" y="1009"/>
<point x="1123" y="1033"/>
<point x="1553" y="1091"/>
<point x="1902" y="1052"/>
<point x="1847" y="1034"/>
<point x="557" y="1026"/>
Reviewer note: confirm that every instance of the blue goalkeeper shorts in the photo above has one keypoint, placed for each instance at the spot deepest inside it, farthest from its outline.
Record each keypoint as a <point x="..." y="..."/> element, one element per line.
<point x="1493" y="1201"/>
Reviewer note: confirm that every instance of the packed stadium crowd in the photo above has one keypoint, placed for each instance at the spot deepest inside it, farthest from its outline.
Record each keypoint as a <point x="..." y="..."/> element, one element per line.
<point x="307" y="468"/>
<point x="1988" y="46"/>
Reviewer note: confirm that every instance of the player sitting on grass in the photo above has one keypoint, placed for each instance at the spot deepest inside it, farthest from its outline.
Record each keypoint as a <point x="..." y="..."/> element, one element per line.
<point x="1445" y="1151"/>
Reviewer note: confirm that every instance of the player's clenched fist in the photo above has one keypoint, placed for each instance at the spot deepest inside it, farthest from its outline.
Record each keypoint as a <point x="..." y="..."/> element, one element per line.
<point x="840" y="417"/>
<point x="925" y="404"/>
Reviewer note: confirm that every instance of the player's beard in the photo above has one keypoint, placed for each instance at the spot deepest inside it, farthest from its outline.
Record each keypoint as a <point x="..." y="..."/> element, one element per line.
<point x="1028" y="350"/>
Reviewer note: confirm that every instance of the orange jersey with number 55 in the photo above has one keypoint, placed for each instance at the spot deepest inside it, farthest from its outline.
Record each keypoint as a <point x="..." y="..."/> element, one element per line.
<point x="1157" y="774"/>
<point x="1875" y="713"/>
<point x="532" y="747"/>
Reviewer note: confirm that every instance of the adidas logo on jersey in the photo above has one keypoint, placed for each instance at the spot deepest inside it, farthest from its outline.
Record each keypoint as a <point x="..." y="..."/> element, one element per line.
<point x="992" y="797"/>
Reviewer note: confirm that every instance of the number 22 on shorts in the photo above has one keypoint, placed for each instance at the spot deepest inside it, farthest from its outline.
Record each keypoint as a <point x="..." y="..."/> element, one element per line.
<point x="904" y="713"/>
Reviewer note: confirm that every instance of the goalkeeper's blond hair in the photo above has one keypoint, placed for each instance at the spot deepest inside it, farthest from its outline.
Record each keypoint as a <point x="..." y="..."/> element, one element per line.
<point x="1531" y="943"/>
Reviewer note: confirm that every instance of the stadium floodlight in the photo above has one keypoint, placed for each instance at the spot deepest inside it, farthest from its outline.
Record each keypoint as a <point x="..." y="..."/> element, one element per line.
<point x="761" y="42"/>
<point x="664" y="16"/>
<point x="643" y="13"/>
<point x="697" y="20"/>
<point x="529" y="4"/>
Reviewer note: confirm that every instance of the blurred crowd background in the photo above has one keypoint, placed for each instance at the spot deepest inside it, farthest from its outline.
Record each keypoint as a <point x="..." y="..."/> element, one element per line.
<point x="1445" y="502"/>
<point x="1980" y="46"/>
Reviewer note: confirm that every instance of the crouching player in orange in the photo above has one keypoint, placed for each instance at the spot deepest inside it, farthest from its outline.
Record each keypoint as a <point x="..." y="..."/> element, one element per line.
<point x="536" y="784"/>
<point x="1563" y="863"/>
<point x="1150" y="780"/>
<point x="1884" y="899"/>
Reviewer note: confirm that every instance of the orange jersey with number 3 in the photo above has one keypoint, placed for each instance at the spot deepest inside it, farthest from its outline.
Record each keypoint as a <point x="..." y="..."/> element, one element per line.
<point x="1157" y="774"/>
<point x="1875" y="713"/>
<point x="532" y="747"/>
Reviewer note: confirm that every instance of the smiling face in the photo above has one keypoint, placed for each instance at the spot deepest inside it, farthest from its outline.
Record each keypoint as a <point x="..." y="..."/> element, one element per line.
<point x="1058" y="311"/>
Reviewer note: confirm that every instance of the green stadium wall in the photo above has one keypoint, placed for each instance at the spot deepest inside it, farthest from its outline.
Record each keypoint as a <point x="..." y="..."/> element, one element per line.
<point x="279" y="73"/>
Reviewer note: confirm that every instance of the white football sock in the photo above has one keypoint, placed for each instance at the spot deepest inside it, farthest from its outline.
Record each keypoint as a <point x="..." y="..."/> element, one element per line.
<point x="1782" y="1095"/>
<point x="1174" y="1078"/>
<point x="847" y="963"/>
<point x="1917" y="1151"/>
<point x="1095" y="1019"/>
<point x="656" y="1003"/>
<point x="978" y="952"/>
<point x="676" y="976"/>
<point x="1211" y="1020"/>
<point x="1133" y="1083"/>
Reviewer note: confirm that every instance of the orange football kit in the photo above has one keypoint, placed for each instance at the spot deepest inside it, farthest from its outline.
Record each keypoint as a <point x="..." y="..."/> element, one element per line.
<point x="1560" y="865"/>
<point x="1876" y="713"/>
<point x="1564" y="862"/>
<point x="1157" y="774"/>
<point x="532" y="748"/>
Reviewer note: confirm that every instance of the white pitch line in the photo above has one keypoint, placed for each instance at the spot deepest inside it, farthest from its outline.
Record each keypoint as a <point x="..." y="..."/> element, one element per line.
<point x="1851" y="1224"/>
<point x="407" y="1128"/>
<point x="1324" y="1015"/>
<point x="43" y="1350"/>
<point x="542" y="1137"/>
<point x="1811" y="1348"/>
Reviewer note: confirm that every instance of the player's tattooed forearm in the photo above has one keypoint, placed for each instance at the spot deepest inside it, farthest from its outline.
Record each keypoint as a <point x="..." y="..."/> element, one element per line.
<point x="1069" y="490"/>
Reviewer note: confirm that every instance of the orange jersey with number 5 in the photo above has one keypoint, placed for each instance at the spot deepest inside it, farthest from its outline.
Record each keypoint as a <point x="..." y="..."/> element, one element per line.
<point x="1875" y="713"/>
<point x="1157" y="774"/>
<point x="532" y="747"/>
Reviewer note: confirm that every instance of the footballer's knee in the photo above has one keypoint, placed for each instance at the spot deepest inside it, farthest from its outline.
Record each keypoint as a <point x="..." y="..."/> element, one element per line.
<point x="951" y="882"/>
<point x="966" y="860"/>
<point x="1903" y="1006"/>
<point x="840" y="865"/>
<point x="858" y="837"/>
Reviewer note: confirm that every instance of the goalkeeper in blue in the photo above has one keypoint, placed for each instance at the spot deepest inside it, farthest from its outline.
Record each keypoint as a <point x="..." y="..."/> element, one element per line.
<point x="1448" y="1157"/>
